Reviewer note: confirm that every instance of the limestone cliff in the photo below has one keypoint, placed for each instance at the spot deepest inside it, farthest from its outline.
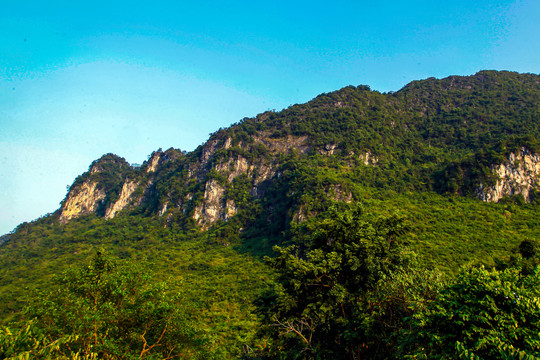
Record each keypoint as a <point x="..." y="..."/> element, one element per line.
<point x="168" y="182"/>
<point x="124" y="200"/>
<point x="215" y="205"/>
<point x="97" y="189"/>
<point x="211" y="208"/>
<point x="86" y="199"/>
<point x="518" y="175"/>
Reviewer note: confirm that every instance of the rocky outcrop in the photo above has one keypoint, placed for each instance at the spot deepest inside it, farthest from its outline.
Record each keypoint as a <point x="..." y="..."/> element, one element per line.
<point x="328" y="149"/>
<point x="230" y="209"/>
<point x="214" y="205"/>
<point x="518" y="175"/>
<point x="86" y="199"/>
<point x="337" y="192"/>
<point x="369" y="159"/>
<point x="124" y="200"/>
<point x="163" y="209"/>
<point x="211" y="209"/>
<point x="208" y="150"/>
<point x="94" y="190"/>
<point x="234" y="167"/>
<point x="154" y="162"/>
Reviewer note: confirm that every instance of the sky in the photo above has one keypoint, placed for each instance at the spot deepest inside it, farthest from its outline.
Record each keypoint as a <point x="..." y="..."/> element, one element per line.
<point x="82" y="79"/>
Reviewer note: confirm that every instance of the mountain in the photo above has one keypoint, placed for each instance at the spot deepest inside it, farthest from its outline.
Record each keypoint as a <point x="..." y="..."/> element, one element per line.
<point x="464" y="135"/>
<point x="459" y="157"/>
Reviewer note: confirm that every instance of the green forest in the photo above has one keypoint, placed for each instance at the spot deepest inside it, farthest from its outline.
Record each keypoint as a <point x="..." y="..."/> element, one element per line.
<point x="356" y="229"/>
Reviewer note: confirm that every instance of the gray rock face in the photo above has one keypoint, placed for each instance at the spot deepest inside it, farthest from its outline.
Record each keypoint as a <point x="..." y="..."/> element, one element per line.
<point x="124" y="200"/>
<point x="214" y="205"/>
<point x="211" y="209"/>
<point x="147" y="188"/>
<point x="519" y="174"/>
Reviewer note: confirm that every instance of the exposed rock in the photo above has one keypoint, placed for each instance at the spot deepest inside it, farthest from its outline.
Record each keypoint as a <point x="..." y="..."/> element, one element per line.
<point x="369" y="159"/>
<point x="163" y="209"/>
<point x="85" y="200"/>
<point x="235" y="167"/>
<point x="230" y="209"/>
<point x="211" y="209"/>
<point x="154" y="162"/>
<point x="171" y="183"/>
<point x="95" y="168"/>
<point x="214" y="206"/>
<point x="328" y="149"/>
<point x="241" y="166"/>
<point x="92" y="190"/>
<point x="336" y="192"/>
<point x="123" y="201"/>
<point x="208" y="150"/>
<point x="519" y="174"/>
<point x="262" y="173"/>
<point x="300" y="215"/>
<point x="148" y="192"/>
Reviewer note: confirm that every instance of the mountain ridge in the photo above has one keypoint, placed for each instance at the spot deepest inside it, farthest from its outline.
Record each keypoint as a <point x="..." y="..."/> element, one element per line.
<point x="196" y="184"/>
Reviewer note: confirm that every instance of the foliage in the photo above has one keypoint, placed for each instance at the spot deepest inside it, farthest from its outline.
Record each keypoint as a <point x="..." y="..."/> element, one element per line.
<point x="321" y="307"/>
<point x="486" y="314"/>
<point x="30" y="342"/>
<point x="107" y="309"/>
<point x="529" y="249"/>
<point x="421" y="134"/>
<point x="215" y="282"/>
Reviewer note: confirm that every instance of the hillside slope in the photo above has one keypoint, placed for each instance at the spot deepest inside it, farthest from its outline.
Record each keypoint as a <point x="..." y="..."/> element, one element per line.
<point x="458" y="157"/>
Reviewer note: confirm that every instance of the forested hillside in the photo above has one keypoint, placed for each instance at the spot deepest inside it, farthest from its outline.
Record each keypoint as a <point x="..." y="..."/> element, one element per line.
<point x="358" y="225"/>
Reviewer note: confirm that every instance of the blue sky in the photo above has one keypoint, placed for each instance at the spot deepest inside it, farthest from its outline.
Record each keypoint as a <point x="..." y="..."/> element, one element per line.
<point x="81" y="79"/>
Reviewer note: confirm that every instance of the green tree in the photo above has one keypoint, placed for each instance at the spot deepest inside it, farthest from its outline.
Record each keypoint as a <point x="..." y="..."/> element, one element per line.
<point x="29" y="342"/>
<point x="483" y="314"/>
<point x="322" y="306"/>
<point x="529" y="249"/>
<point x="112" y="310"/>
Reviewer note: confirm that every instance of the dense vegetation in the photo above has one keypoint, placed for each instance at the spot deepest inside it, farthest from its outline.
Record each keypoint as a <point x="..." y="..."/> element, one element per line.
<point x="419" y="131"/>
<point x="368" y="243"/>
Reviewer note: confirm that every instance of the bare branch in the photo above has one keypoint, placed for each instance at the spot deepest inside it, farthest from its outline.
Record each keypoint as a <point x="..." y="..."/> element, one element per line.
<point x="147" y="348"/>
<point x="296" y="327"/>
